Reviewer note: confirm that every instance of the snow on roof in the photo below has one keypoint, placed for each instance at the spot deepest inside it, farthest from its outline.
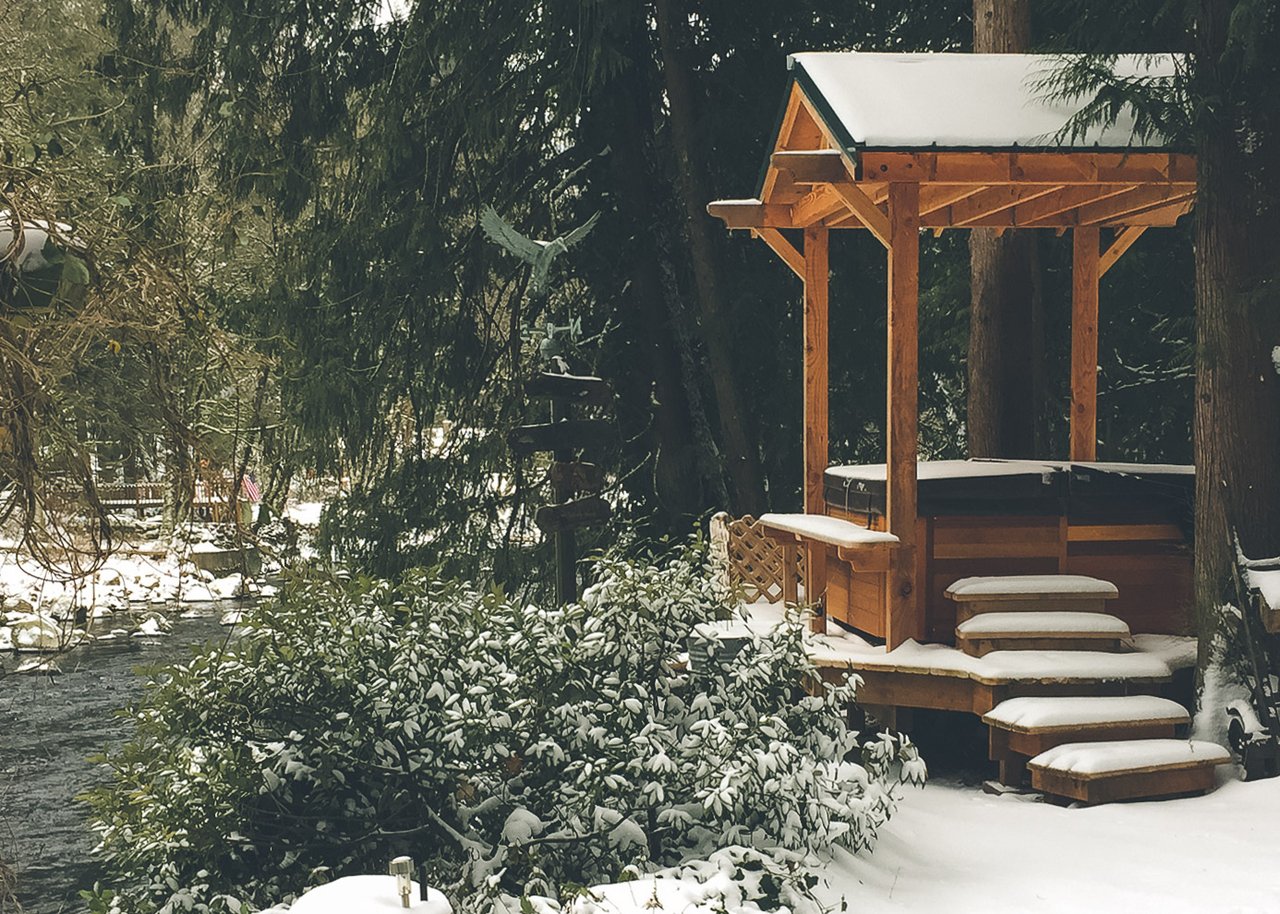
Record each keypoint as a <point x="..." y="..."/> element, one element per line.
<point x="959" y="101"/>
<point x="1128" y="755"/>
<point x="1049" y="712"/>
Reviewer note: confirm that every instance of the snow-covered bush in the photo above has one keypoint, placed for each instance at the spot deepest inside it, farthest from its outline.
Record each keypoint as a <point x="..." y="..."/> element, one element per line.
<point x="515" y="748"/>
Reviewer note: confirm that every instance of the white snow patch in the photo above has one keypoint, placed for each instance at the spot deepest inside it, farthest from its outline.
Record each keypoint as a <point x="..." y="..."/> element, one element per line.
<point x="1222" y="689"/>
<point x="826" y="529"/>
<point x="953" y="849"/>
<point x="366" y="895"/>
<point x="973" y="101"/>
<point x="1015" y="586"/>
<point x="1035" y="713"/>
<point x="1267" y="582"/>
<point x="1043" y="622"/>
<point x="304" y="513"/>
<point x="927" y="470"/>
<point x="1128" y="755"/>
<point x="520" y="826"/>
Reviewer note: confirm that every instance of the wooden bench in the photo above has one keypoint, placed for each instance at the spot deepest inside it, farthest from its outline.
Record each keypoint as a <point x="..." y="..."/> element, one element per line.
<point x="1127" y="769"/>
<point x="860" y="558"/>
<point x="1041" y="631"/>
<point x="1022" y="728"/>
<point x="1029" y="593"/>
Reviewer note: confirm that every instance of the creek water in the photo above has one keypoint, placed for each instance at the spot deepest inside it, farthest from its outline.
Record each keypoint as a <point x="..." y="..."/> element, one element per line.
<point x="49" y="726"/>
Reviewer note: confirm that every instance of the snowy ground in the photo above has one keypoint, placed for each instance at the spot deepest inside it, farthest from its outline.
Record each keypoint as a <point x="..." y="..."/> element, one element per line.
<point x="955" y="849"/>
<point x="952" y="849"/>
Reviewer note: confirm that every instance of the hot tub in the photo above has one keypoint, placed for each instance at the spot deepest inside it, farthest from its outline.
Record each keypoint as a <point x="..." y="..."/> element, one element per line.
<point x="1126" y="523"/>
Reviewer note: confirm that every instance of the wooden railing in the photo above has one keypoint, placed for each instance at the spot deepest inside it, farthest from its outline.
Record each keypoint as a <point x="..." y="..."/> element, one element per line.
<point x="752" y="562"/>
<point x="211" y="496"/>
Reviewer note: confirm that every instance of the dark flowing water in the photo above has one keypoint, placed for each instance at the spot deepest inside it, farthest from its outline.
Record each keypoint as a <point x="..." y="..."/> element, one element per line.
<point x="48" y="728"/>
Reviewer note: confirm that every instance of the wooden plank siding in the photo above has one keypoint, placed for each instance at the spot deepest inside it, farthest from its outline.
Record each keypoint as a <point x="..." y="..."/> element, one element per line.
<point x="1151" y="564"/>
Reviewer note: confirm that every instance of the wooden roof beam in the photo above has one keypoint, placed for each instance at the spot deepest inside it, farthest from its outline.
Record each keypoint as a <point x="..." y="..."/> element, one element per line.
<point x="748" y="214"/>
<point x="782" y="247"/>
<point x="1047" y="167"/>
<point x="812" y="166"/>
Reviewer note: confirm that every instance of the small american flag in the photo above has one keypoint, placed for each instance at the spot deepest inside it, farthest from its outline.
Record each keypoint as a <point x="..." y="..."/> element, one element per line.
<point x="249" y="489"/>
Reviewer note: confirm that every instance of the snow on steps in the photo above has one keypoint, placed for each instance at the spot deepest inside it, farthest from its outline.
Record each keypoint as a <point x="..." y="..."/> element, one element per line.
<point x="1021" y="728"/>
<point x="1038" y="715"/>
<point x="1127" y="769"/>
<point x="996" y="631"/>
<point x="1029" y="593"/>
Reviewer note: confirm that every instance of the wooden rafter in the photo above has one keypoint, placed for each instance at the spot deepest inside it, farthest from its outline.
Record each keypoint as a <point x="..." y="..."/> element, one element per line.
<point x="934" y="197"/>
<point x="1065" y="199"/>
<point x="816" y="205"/>
<point x="1123" y="241"/>
<point x="994" y="200"/>
<point x="783" y="248"/>
<point x="1134" y="203"/>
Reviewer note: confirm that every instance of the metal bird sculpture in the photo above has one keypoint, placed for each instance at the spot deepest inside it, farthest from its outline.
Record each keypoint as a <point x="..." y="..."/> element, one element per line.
<point x="539" y="254"/>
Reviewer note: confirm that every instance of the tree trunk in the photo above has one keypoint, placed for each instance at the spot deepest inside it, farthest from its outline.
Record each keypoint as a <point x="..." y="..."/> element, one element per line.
<point x="739" y="444"/>
<point x="1006" y="316"/>
<point x="1237" y="407"/>
<point x="678" y="484"/>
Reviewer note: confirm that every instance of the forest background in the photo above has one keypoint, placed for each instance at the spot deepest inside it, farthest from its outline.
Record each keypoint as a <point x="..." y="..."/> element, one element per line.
<point x="279" y="207"/>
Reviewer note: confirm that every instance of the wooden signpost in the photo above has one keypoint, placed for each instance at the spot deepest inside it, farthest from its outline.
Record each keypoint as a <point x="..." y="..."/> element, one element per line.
<point x="575" y="485"/>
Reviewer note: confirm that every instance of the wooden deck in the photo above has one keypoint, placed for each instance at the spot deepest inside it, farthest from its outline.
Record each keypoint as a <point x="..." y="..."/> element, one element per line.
<point x="942" y="677"/>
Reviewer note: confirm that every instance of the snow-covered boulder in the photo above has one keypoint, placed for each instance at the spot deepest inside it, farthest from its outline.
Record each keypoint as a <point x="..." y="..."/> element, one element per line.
<point x="368" y="895"/>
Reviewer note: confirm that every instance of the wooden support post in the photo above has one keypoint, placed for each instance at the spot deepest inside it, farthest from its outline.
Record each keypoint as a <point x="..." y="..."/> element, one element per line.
<point x="816" y="241"/>
<point x="815" y="585"/>
<point x="904" y="620"/>
<point x="1084" y="344"/>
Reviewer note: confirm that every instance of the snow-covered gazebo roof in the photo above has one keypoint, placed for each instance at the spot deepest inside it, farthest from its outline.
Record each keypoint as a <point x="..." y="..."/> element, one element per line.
<point x="960" y="101"/>
<point x="981" y="135"/>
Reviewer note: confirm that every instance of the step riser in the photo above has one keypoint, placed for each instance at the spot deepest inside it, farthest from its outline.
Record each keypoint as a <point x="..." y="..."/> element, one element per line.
<point x="1006" y="743"/>
<point x="1130" y="786"/>
<point x="979" y="646"/>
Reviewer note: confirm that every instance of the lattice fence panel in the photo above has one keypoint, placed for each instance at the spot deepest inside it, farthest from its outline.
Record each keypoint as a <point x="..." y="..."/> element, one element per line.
<point x="752" y="561"/>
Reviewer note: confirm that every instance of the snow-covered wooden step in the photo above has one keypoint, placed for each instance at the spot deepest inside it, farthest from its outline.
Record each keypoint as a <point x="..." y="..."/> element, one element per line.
<point x="1030" y="593"/>
<point x="1021" y="728"/>
<point x="1041" y="631"/>
<point x="1127" y="769"/>
<point x="1061" y="667"/>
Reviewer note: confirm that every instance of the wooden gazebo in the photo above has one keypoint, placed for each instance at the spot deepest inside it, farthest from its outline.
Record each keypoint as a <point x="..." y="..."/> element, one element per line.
<point x="900" y="143"/>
